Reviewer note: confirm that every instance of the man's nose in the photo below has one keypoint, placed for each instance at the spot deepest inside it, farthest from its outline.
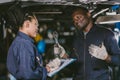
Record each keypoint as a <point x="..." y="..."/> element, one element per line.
<point x="77" y="20"/>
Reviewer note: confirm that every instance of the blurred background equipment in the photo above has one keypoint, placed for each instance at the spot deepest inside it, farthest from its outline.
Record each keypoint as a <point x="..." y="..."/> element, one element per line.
<point x="38" y="38"/>
<point x="112" y="15"/>
<point x="41" y="46"/>
<point x="40" y="43"/>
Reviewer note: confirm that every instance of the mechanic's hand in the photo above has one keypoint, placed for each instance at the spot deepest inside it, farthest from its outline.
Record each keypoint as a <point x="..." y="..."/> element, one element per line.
<point x="98" y="52"/>
<point x="47" y="68"/>
<point x="53" y="65"/>
<point x="63" y="53"/>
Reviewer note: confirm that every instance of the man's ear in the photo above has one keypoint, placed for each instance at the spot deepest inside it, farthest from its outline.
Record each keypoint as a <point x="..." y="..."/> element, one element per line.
<point x="89" y="14"/>
<point x="26" y="24"/>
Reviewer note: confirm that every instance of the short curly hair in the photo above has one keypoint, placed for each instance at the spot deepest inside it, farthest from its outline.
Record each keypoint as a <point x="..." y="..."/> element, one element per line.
<point x="81" y="10"/>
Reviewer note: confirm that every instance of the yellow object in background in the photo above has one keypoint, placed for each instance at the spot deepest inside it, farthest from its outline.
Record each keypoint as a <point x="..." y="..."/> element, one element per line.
<point x="38" y="38"/>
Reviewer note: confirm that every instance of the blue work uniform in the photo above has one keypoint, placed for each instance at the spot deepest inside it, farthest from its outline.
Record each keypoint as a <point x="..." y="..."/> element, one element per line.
<point x="23" y="60"/>
<point x="88" y="67"/>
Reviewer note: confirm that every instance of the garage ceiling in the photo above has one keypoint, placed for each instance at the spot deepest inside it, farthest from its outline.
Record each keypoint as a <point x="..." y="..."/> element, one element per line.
<point x="60" y="10"/>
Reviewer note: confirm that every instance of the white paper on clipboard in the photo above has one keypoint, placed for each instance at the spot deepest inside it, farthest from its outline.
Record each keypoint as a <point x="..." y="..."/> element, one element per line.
<point x="65" y="62"/>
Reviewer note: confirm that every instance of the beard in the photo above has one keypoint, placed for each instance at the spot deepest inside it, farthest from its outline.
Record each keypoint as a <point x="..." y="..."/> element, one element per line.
<point x="81" y="26"/>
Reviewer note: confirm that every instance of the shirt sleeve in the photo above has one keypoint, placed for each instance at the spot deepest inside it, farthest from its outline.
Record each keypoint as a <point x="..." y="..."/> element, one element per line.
<point x="112" y="48"/>
<point x="28" y="66"/>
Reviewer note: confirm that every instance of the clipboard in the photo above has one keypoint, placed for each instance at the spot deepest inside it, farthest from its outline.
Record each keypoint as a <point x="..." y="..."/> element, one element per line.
<point x="64" y="63"/>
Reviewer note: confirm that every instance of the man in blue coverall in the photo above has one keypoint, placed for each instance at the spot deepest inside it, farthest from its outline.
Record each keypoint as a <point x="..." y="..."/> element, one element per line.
<point x="95" y="48"/>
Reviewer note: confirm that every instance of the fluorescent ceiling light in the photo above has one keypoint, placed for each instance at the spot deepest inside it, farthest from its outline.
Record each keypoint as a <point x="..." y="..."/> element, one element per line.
<point x="48" y="12"/>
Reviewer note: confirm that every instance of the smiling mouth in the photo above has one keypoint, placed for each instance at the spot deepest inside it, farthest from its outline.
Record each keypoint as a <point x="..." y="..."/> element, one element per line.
<point x="78" y="24"/>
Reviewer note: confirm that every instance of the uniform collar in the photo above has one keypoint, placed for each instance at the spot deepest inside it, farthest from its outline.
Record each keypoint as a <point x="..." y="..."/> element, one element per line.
<point x="25" y="36"/>
<point x="94" y="27"/>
